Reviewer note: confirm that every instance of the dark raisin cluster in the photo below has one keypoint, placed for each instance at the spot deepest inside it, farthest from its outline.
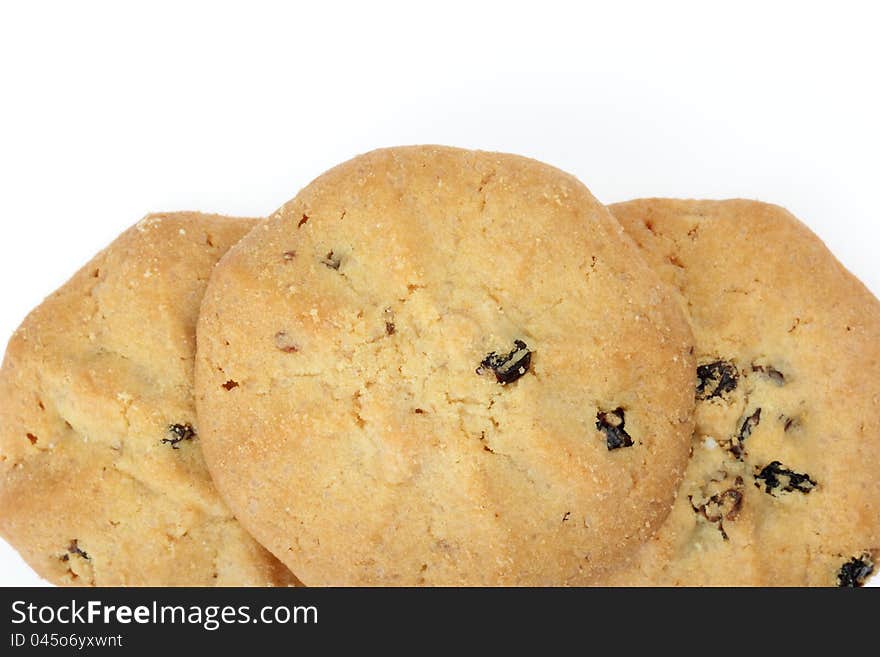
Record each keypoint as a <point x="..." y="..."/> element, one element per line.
<point x="177" y="433"/>
<point x="612" y="424"/>
<point x="777" y="478"/>
<point x="510" y="367"/>
<point x="855" y="571"/>
<point x="716" y="379"/>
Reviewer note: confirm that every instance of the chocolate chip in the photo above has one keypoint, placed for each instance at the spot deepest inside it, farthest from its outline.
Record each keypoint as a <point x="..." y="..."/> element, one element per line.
<point x="230" y="385"/>
<point x="776" y="476"/>
<point x="508" y="368"/>
<point x="855" y="571"/>
<point x="748" y="425"/>
<point x="178" y="433"/>
<point x="612" y="424"/>
<point x="302" y="221"/>
<point x="32" y="438"/>
<point x="716" y="379"/>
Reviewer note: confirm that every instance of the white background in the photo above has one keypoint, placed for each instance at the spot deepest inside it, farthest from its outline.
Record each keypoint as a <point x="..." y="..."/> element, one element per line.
<point x="111" y="110"/>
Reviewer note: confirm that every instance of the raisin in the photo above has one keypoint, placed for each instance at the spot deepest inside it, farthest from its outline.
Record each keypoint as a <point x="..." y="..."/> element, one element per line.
<point x="788" y="422"/>
<point x="612" y="424"/>
<point x="331" y="260"/>
<point x="178" y="433"/>
<point x="716" y="379"/>
<point x="748" y="425"/>
<point x="75" y="550"/>
<point x="722" y="505"/>
<point x="485" y="444"/>
<point x="508" y="368"/>
<point x="771" y="372"/>
<point x="390" y="327"/>
<point x="775" y="475"/>
<point x="283" y="342"/>
<point x="855" y="571"/>
<point x="32" y="438"/>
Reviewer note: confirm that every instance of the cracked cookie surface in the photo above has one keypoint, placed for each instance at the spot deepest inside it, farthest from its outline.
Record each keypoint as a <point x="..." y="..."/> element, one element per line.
<point x="402" y="377"/>
<point x="788" y="401"/>
<point x="102" y="480"/>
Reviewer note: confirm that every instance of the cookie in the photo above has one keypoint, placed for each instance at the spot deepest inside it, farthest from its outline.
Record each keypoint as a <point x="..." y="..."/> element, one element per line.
<point x="444" y="367"/>
<point x="102" y="480"/>
<point x="783" y="487"/>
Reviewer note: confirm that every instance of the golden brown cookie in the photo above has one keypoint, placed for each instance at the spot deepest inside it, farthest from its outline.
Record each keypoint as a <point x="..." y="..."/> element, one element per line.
<point x="784" y="484"/>
<point x="444" y="367"/>
<point x="102" y="480"/>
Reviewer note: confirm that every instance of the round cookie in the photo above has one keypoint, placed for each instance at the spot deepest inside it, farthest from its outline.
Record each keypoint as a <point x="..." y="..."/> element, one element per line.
<point x="102" y="481"/>
<point x="444" y="367"/>
<point x="783" y="487"/>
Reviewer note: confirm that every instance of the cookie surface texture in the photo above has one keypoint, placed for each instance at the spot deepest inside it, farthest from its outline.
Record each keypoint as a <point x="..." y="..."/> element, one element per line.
<point x="784" y="484"/>
<point x="102" y="480"/>
<point x="444" y="367"/>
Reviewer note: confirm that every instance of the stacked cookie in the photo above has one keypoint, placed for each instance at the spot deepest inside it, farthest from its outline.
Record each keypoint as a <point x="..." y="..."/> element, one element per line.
<point x="443" y="367"/>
